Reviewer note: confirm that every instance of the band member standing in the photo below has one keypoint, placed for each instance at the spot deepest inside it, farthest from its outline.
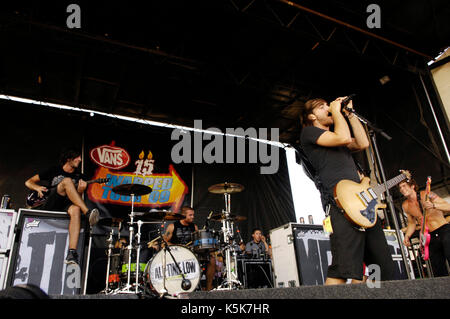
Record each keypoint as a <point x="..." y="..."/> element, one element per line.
<point x="329" y="151"/>
<point x="438" y="227"/>
<point x="66" y="196"/>
<point x="180" y="233"/>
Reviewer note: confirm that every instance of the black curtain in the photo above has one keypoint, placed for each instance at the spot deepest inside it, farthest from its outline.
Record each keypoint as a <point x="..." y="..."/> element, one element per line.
<point x="266" y="201"/>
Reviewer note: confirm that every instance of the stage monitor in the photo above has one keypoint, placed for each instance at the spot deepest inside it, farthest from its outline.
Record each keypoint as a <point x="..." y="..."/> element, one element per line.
<point x="40" y="247"/>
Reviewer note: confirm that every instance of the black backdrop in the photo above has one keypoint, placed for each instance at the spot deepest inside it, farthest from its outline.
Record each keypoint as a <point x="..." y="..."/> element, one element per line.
<point x="33" y="136"/>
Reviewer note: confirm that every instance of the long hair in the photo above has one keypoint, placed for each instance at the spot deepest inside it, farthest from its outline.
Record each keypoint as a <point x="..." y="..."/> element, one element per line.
<point x="68" y="154"/>
<point x="411" y="182"/>
<point x="307" y="109"/>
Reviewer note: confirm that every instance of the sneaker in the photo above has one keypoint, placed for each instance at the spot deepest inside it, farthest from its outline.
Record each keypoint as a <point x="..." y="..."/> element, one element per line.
<point x="94" y="216"/>
<point x="72" y="257"/>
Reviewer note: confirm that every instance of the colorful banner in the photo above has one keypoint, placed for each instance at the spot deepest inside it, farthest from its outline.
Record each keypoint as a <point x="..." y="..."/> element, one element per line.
<point x="167" y="189"/>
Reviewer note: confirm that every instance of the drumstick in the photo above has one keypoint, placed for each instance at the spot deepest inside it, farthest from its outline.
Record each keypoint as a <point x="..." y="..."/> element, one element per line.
<point x="153" y="240"/>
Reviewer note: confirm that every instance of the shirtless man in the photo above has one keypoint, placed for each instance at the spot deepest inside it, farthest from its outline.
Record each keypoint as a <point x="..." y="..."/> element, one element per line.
<point x="438" y="226"/>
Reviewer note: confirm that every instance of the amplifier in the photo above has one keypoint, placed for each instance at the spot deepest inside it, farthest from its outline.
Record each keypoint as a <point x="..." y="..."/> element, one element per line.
<point x="255" y="273"/>
<point x="395" y="249"/>
<point x="7" y="224"/>
<point x="301" y="255"/>
<point x="41" y="242"/>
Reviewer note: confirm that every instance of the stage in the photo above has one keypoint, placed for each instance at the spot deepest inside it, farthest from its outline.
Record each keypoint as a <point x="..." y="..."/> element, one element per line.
<point x="435" y="288"/>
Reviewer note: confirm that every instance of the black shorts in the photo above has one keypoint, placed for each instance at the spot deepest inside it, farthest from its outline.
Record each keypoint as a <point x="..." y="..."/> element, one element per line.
<point x="56" y="202"/>
<point x="351" y="247"/>
<point x="440" y="250"/>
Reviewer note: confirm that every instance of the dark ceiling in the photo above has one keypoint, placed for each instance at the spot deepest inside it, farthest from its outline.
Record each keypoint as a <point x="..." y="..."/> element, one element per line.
<point x="230" y="63"/>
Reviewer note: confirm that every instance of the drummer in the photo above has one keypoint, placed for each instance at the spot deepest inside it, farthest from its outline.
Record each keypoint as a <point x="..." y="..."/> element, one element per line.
<point x="180" y="233"/>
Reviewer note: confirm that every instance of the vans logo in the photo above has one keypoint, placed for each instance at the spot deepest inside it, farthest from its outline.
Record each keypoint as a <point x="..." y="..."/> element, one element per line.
<point x="111" y="157"/>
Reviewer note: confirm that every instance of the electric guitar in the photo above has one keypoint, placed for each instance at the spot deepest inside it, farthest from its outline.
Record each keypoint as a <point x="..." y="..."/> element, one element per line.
<point x="33" y="199"/>
<point x="424" y="236"/>
<point x="360" y="201"/>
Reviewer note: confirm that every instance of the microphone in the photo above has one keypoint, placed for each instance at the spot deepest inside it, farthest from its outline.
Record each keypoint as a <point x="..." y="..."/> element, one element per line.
<point x="347" y="100"/>
<point x="240" y="237"/>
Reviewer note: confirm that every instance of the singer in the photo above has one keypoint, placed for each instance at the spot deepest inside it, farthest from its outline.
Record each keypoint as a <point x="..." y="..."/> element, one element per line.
<point x="327" y="142"/>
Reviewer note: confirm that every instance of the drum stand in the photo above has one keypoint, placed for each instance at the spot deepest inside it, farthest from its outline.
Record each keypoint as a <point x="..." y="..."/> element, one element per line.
<point x="107" y="289"/>
<point x="228" y="232"/>
<point x="126" y="289"/>
<point x="110" y="247"/>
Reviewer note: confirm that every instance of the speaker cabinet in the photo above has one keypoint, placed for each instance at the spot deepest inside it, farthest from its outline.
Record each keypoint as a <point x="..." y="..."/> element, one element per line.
<point x="301" y="255"/>
<point x="395" y="249"/>
<point x="7" y="224"/>
<point x="40" y="247"/>
<point x="254" y="273"/>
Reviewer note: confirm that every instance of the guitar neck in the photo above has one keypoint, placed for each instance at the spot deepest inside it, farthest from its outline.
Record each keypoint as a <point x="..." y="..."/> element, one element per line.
<point x="427" y="194"/>
<point x="379" y="189"/>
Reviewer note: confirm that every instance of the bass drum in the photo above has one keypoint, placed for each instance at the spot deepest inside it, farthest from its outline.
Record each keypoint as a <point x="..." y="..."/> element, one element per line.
<point x="188" y="264"/>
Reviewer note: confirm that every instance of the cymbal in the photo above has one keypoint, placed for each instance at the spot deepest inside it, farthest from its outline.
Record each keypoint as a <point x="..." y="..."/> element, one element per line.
<point x="128" y="189"/>
<point x="236" y="218"/>
<point x="161" y="215"/>
<point x="229" y="188"/>
<point x="111" y="222"/>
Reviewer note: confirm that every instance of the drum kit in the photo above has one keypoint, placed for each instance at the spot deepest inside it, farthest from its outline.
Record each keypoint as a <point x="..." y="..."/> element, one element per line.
<point x="174" y="269"/>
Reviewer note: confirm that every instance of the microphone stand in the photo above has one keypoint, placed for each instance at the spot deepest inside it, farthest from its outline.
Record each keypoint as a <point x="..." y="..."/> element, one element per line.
<point x="185" y="283"/>
<point x="372" y="131"/>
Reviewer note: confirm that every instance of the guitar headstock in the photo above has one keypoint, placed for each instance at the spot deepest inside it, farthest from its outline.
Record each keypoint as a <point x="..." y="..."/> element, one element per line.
<point x="407" y="174"/>
<point x="428" y="187"/>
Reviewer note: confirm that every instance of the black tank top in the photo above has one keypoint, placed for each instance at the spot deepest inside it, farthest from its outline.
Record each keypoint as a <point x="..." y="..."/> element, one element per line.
<point x="182" y="234"/>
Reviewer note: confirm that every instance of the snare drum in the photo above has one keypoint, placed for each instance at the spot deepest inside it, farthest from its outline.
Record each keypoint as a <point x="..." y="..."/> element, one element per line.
<point x="205" y="241"/>
<point x="188" y="264"/>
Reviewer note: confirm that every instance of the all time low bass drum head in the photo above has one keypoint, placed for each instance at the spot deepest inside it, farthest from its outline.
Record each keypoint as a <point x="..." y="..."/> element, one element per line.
<point x="188" y="264"/>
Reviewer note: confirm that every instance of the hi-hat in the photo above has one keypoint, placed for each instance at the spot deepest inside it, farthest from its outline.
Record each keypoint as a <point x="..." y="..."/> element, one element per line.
<point x="226" y="188"/>
<point x="129" y="189"/>
<point x="220" y="217"/>
<point x="111" y="222"/>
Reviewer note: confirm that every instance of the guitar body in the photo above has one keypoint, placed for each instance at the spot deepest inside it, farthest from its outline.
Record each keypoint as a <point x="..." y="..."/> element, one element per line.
<point x="348" y="197"/>
<point x="424" y="238"/>
<point x="425" y="243"/>
<point x="33" y="200"/>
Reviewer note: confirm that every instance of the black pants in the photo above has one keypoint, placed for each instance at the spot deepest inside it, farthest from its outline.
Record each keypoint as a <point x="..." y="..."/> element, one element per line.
<point x="56" y="202"/>
<point x="439" y="250"/>
<point x="351" y="247"/>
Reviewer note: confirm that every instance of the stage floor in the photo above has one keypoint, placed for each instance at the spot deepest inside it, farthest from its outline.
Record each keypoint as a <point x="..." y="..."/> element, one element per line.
<point x="435" y="288"/>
